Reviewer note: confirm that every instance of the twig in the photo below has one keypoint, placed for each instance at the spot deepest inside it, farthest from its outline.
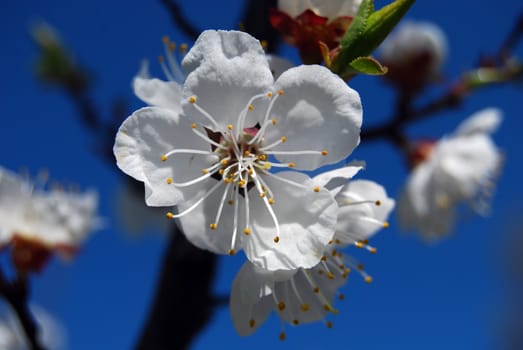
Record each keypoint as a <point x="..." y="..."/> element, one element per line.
<point x="179" y="20"/>
<point x="16" y="293"/>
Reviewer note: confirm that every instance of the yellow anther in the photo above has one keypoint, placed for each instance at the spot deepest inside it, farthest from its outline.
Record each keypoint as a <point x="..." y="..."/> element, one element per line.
<point x="281" y="306"/>
<point x="324" y="153"/>
<point x="316" y="189"/>
<point x="327" y="307"/>
<point x="284" y="139"/>
<point x="341" y="267"/>
<point x="368" y="279"/>
<point x="274" y="121"/>
<point x="320" y="272"/>
<point x="232" y="252"/>
<point x="250" y="172"/>
<point x="341" y="296"/>
<point x="247" y="231"/>
<point x="224" y="161"/>
<point x="169" y="181"/>
<point x="276" y="239"/>
<point x="252" y="323"/>
<point x="378" y="202"/>
<point x="331" y="241"/>
<point x="373" y="250"/>
<point x="324" y="258"/>
<point x="334" y="252"/>
<point x="193" y="125"/>
<point x="264" y="188"/>
<point x="282" y="336"/>
<point x="295" y="322"/>
<point x="251" y="107"/>
<point x="262" y="157"/>
<point x="262" y="194"/>
<point x="172" y="47"/>
<point x="338" y="241"/>
<point x="229" y="126"/>
<point x="329" y="324"/>
<point x="183" y="48"/>
<point x="385" y="224"/>
<point x="291" y="165"/>
<point x="360" y="267"/>
<point x="160" y="59"/>
<point x="271" y="200"/>
<point x="264" y="43"/>
<point x="163" y="158"/>
<point x="192" y="99"/>
<point x="242" y="183"/>
<point x="205" y="171"/>
<point x="213" y="226"/>
<point x="230" y="202"/>
<point x="246" y="153"/>
<point x="358" y="244"/>
<point x="267" y="166"/>
<point x="304" y="307"/>
<point x="169" y="215"/>
<point x="330" y="275"/>
<point x="280" y="92"/>
<point x="227" y="180"/>
<point x="165" y="39"/>
<point x="269" y="94"/>
<point x="221" y="171"/>
<point x="316" y="290"/>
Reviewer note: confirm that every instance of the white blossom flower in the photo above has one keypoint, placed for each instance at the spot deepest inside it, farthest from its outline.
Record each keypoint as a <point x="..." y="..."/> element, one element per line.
<point x="330" y="9"/>
<point x="307" y="295"/>
<point x="236" y="124"/>
<point x="414" y="54"/>
<point x="12" y="337"/>
<point x="459" y="169"/>
<point x="43" y="221"/>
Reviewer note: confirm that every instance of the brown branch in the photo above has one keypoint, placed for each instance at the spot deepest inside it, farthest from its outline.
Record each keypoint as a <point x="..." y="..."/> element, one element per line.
<point x="180" y="21"/>
<point x="16" y="293"/>
<point x="183" y="303"/>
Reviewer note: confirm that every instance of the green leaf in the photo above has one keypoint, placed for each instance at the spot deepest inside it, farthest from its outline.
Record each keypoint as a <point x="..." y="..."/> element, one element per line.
<point x="368" y="65"/>
<point x="366" y="32"/>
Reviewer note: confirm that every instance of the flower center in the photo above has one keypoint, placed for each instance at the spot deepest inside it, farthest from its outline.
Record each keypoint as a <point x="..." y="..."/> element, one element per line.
<point x="242" y="163"/>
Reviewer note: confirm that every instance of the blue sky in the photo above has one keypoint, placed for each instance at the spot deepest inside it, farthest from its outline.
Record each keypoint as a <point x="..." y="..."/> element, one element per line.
<point x="448" y="295"/>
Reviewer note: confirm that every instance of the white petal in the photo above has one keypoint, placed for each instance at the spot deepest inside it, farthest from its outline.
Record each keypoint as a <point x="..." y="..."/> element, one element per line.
<point x="484" y="121"/>
<point x="196" y="224"/>
<point x="306" y="219"/>
<point x="335" y="179"/>
<point x="143" y="138"/>
<point x="156" y="92"/>
<point x="317" y="112"/>
<point x="242" y="313"/>
<point x="225" y="69"/>
<point x="464" y="163"/>
<point x="361" y="221"/>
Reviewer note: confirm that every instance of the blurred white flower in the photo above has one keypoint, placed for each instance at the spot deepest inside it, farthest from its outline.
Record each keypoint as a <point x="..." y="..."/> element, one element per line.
<point x="460" y="168"/>
<point x="37" y="222"/>
<point x="12" y="336"/>
<point x="236" y="124"/>
<point x="330" y="9"/>
<point x="414" y="54"/>
<point x="307" y="295"/>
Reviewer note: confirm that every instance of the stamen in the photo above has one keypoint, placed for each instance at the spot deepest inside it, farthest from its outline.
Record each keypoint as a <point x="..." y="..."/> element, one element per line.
<point x="264" y="123"/>
<point x="176" y="73"/>
<point x="199" y="201"/>
<point x="283" y="139"/>
<point x="187" y="151"/>
<point x="267" y="205"/>
<point x="207" y="139"/>
<point x="222" y="202"/>
<point x="235" y="222"/>
<point x="192" y="100"/>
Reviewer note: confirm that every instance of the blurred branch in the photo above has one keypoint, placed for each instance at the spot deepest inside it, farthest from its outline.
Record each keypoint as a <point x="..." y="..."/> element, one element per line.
<point x="180" y="21"/>
<point x="16" y="293"/>
<point x="489" y="73"/>
<point x="255" y="21"/>
<point x="183" y="303"/>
